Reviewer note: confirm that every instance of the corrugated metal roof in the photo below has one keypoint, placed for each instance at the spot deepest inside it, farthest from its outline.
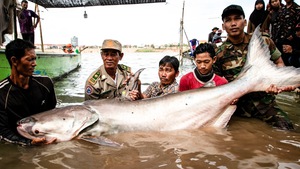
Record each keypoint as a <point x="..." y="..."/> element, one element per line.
<point x="84" y="3"/>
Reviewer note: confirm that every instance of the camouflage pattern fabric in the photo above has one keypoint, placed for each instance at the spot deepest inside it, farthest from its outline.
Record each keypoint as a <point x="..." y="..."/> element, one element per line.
<point x="230" y="60"/>
<point x="284" y="24"/>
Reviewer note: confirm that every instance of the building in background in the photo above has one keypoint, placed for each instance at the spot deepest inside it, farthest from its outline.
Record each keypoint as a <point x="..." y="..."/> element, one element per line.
<point x="74" y="41"/>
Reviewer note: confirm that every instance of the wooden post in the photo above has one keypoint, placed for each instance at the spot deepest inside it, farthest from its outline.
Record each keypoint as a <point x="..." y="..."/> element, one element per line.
<point x="15" y="22"/>
<point x="181" y="37"/>
<point x="40" y="26"/>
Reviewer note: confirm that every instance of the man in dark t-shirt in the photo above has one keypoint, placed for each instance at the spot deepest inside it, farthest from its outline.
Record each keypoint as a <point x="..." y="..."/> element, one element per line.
<point x="23" y="94"/>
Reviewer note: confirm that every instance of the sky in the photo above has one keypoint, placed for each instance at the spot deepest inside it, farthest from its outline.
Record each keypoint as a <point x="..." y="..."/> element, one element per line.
<point x="140" y="24"/>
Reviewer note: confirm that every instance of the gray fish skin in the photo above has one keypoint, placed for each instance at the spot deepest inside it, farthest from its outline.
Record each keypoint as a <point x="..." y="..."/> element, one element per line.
<point x="204" y="107"/>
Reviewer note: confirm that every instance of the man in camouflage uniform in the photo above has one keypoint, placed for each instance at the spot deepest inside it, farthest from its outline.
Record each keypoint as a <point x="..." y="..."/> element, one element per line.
<point x="108" y="81"/>
<point x="231" y="57"/>
<point x="284" y="26"/>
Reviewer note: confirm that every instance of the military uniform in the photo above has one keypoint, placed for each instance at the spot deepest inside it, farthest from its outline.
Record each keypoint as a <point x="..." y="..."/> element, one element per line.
<point x="101" y="86"/>
<point x="284" y="27"/>
<point x="284" y="23"/>
<point x="230" y="60"/>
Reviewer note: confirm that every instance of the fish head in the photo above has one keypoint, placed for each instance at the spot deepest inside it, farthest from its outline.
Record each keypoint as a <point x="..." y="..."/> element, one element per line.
<point x="61" y="124"/>
<point x="26" y="124"/>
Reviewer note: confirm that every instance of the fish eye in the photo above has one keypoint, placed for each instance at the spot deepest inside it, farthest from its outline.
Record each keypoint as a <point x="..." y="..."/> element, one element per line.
<point x="36" y="131"/>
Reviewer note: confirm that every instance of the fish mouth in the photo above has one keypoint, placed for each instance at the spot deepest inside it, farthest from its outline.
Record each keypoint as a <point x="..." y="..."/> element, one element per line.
<point x="25" y="131"/>
<point x="25" y="127"/>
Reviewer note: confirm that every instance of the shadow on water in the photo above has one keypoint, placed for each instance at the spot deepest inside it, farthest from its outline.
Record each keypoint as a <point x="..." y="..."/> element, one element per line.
<point x="246" y="143"/>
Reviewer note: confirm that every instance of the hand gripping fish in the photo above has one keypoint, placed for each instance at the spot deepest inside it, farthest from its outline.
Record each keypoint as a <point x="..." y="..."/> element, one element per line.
<point x="204" y="107"/>
<point x="131" y="84"/>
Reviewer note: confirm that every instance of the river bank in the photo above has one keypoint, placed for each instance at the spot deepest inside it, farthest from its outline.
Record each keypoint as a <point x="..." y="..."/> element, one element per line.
<point x="125" y="50"/>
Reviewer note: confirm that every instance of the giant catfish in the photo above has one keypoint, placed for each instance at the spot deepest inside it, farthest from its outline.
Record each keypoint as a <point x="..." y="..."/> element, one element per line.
<point x="184" y="110"/>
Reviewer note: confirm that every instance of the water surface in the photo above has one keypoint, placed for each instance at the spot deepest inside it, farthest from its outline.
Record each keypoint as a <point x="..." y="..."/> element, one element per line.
<point x="246" y="143"/>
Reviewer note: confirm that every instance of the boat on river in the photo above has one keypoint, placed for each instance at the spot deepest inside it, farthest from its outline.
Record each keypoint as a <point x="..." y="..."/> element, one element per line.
<point x="54" y="65"/>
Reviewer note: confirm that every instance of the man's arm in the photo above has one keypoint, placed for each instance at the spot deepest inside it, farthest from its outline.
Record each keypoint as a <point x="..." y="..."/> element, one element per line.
<point x="37" y="18"/>
<point x="37" y="21"/>
<point x="279" y="62"/>
<point x="7" y="134"/>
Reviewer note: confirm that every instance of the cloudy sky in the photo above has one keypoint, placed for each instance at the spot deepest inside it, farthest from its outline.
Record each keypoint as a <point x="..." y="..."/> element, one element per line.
<point x="135" y="24"/>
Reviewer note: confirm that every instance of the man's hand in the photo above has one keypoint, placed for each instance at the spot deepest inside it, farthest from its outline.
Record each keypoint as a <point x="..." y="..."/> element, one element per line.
<point x="135" y="95"/>
<point x="234" y="101"/>
<point x="42" y="140"/>
<point x="276" y="90"/>
<point x="287" y="48"/>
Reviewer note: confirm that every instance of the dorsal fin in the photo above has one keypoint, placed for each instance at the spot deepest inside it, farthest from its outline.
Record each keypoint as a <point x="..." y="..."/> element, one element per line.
<point x="132" y="84"/>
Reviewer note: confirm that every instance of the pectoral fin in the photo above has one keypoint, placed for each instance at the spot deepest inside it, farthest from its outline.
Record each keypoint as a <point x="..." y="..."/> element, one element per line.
<point x="101" y="141"/>
<point x="224" y="117"/>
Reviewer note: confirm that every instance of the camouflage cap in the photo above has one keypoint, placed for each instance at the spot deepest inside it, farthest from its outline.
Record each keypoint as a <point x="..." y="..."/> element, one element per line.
<point x="233" y="9"/>
<point x="111" y="44"/>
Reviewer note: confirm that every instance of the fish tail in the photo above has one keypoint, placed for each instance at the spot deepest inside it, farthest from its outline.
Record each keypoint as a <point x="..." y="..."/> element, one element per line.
<point x="261" y="71"/>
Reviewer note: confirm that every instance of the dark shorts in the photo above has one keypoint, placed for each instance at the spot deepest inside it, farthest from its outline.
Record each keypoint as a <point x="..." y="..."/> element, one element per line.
<point x="28" y="37"/>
